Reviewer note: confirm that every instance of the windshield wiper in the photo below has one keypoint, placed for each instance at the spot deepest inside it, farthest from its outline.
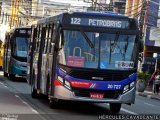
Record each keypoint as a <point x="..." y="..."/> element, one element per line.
<point x="87" y="39"/>
<point x="114" y="46"/>
<point x="126" y="45"/>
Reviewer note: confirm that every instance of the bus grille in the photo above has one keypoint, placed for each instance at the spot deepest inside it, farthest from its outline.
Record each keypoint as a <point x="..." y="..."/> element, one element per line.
<point x="113" y="76"/>
<point x="24" y="72"/>
<point x="112" y="94"/>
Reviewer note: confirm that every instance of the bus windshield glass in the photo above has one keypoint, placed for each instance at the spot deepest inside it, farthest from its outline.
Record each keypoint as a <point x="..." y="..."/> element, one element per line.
<point x="110" y="51"/>
<point x="21" y="46"/>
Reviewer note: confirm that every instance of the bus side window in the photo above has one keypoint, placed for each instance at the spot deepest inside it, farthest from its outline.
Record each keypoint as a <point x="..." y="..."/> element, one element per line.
<point x="34" y="38"/>
<point x="43" y="39"/>
<point x="46" y="39"/>
<point x="52" y="43"/>
<point x="49" y="39"/>
<point x="38" y="38"/>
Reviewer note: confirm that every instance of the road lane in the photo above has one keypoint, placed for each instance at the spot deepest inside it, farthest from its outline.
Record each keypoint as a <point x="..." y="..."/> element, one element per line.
<point x="13" y="107"/>
<point x="81" y="110"/>
<point x="9" y="103"/>
<point x="85" y="110"/>
<point x="144" y="105"/>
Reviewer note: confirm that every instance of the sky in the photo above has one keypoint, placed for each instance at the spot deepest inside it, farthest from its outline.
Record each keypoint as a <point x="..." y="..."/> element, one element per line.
<point x="74" y="2"/>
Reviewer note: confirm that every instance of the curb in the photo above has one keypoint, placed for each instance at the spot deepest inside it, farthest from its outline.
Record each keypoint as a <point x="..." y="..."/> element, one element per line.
<point x="151" y="96"/>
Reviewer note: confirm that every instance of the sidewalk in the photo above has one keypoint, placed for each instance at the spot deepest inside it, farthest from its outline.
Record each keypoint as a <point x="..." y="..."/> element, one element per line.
<point x="149" y="94"/>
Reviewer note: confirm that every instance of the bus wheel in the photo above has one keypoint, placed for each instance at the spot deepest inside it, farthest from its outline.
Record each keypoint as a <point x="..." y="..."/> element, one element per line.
<point x="11" y="76"/>
<point x="115" y="107"/>
<point x="54" y="103"/>
<point x="5" y="74"/>
<point x="34" y="93"/>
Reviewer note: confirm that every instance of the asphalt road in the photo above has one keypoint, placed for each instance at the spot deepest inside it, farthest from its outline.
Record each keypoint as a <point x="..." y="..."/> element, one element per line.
<point x="16" y="99"/>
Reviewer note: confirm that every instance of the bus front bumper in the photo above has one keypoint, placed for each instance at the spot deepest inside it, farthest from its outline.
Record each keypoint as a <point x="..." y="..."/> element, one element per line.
<point x="65" y="94"/>
<point x="20" y="71"/>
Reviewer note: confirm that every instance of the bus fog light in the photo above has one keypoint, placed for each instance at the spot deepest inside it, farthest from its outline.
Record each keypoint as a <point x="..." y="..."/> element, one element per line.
<point x="126" y="88"/>
<point x="60" y="79"/>
<point x="132" y="84"/>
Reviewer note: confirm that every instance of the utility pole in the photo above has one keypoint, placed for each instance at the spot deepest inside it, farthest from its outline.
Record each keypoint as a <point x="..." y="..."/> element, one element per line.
<point x="142" y="19"/>
<point x="142" y="29"/>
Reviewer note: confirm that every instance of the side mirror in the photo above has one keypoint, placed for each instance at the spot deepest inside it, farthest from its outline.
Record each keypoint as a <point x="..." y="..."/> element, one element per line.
<point x="140" y="57"/>
<point x="59" y="38"/>
<point x="141" y="45"/>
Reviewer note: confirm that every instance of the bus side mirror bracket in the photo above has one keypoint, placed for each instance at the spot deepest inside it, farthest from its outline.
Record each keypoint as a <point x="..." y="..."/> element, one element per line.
<point x="141" y="45"/>
<point x="59" y="39"/>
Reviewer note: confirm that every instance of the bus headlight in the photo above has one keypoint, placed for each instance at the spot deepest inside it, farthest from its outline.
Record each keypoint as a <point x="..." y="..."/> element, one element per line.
<point x="132" y="84"/>
<point x="126" y="88"/>
<point x="67" y="84"/>
<point x="64" y="82"/>
<point x="60" y="79"/>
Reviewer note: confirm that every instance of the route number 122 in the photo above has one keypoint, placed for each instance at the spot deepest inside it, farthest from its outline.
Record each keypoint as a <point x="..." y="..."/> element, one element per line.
<point x="76" y="21"/>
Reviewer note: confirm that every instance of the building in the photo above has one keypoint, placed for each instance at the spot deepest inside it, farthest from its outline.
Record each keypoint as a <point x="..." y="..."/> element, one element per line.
<point x="151" y="36"/>
<point x="46" y="8"/>
<point x="148" y="14"/>
<point x="119" y="6"/>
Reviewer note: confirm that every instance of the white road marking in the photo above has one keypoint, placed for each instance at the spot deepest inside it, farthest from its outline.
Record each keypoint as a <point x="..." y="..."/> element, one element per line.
<point x="35" y="111"/>
<point x="148" y="92"/>
<point x="149" y="104"/>
<point x="125" y="110"/>
<point x="6" y="86"/>
<point x="16" y="96"/>
<point x="25" y="103"/>
<point x="130" y="112"/>
<point x="149" y="96"/>
<point x="1" y="83"/>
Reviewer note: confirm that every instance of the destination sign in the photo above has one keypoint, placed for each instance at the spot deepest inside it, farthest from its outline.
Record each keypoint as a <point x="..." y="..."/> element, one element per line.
<point x="22" y="31"/>
<point x="110" y="23"/>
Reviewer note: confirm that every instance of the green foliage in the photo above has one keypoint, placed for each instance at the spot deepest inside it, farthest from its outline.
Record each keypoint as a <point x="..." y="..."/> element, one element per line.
<point x="143" y="76"/>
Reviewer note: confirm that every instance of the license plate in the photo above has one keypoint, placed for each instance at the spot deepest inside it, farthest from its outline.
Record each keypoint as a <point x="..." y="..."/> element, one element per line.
<point x="97" y="95"/>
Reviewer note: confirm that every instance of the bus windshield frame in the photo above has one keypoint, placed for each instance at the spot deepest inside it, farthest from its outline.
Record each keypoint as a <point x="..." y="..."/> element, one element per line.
<point x="20" y="46"/>
<point x="98" y="50"/>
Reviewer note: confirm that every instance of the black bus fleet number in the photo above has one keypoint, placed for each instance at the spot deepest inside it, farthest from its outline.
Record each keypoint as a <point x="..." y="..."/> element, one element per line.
<point x="76" y="21"/>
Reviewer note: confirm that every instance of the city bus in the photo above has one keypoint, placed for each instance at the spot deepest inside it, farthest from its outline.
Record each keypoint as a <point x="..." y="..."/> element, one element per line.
<point x="16" y="52"/>
<point x="85" y="56"/>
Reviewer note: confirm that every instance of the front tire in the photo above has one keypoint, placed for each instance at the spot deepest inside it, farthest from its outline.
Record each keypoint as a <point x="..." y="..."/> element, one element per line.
<point x="115" y="107"/>
<point x="54" y="103"/>
<point x="11" y="76"/>
<point x="5" y="74"/>
<point x="34" y="93"/>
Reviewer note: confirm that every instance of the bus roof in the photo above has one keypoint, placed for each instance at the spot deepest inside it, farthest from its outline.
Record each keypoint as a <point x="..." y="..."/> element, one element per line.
<point x="17" y="28"/>
<point x="107" y="14"/>
<point x="90" y="13"/>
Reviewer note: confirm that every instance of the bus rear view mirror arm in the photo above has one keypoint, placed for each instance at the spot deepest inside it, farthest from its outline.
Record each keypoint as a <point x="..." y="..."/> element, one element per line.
<point x="141" y="45"/>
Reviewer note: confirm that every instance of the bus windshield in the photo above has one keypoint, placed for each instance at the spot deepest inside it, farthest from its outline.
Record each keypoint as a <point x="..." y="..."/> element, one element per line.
<point x="21" y="46"/>
<point x="110" y="51"/>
